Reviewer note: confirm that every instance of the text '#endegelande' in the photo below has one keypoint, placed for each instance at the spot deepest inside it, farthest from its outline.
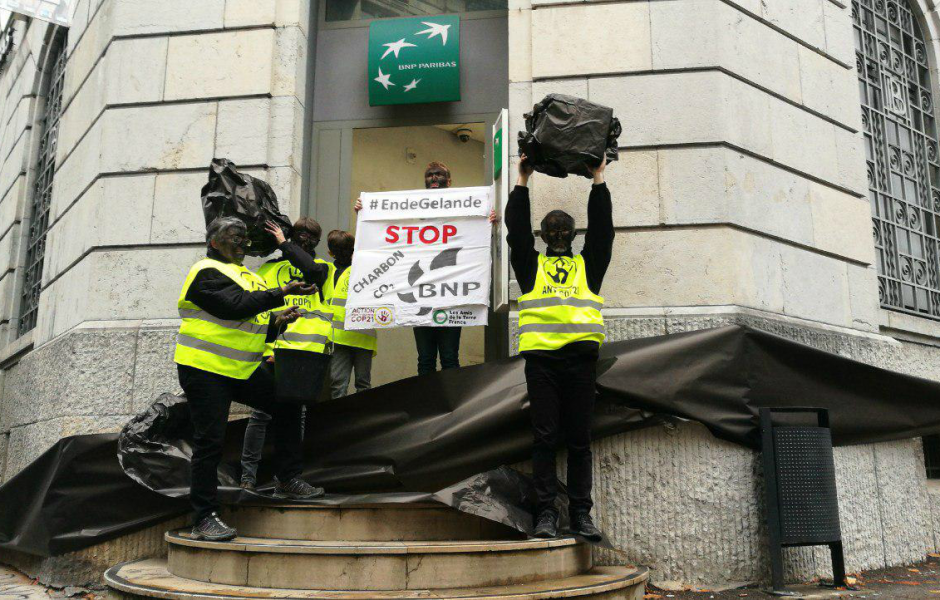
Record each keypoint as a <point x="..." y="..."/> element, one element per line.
<point x="429" y="204"/>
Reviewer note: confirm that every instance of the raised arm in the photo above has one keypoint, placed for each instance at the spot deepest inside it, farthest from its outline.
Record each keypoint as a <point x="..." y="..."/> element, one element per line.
<point x="599" y="239"/>
<point x="522" y="254"/>
<point x="314" y="272"/>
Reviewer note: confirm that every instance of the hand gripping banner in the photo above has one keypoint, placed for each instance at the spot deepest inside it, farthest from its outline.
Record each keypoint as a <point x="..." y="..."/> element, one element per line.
<point x="422" y="258"/>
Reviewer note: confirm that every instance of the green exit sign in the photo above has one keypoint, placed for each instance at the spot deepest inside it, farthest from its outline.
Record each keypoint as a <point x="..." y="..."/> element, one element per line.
<point x="414" y="60"/>
<point x="498" y="153"/>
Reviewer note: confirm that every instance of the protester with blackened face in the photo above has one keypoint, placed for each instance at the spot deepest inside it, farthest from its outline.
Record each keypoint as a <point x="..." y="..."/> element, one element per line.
<point x="432" y="342"/>
<point x="436" y="175"/>
<point x="226" y="321"/>
<point x="309" y="334"/>
<point x="353" y="349"/>
<point x="560" y="332"/>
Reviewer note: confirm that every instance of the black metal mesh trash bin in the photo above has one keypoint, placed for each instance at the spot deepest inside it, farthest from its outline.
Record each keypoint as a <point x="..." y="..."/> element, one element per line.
<point x="800" y="481"/>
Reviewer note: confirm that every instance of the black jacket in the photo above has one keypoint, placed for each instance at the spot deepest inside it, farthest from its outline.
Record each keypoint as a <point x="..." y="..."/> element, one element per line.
<point x="218" y="295"/>
<point x="598" y="241"/>
<point x="598" y="248"/>
<point x="221" y="297"/>
<point x="313" y="272"/>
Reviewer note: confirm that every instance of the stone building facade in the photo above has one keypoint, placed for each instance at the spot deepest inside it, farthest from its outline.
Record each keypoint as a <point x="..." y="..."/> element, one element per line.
<point x="752" y="188"/>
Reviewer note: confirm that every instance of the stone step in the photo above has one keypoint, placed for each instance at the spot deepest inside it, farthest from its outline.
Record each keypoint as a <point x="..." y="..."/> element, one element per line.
<point x="364" y="522"/>
<point x="352" y="565"/>
<point x="151" y="579"/>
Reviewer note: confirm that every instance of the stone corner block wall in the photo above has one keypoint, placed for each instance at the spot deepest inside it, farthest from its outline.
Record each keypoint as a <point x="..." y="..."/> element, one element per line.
<point x="742" y="178"/>
<point x="691" y="506"/>
<point x="222" y="78"/>
<point x="84" y="568"/>
<point x="85" y="381"/>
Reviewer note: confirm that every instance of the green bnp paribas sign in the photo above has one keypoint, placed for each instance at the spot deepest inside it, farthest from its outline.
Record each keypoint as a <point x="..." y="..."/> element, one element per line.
<point x="414" y="60"/>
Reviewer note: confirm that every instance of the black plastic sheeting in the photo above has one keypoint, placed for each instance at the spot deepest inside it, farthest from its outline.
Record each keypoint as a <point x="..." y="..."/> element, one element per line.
<point x="230" y="193"/>
<point x="565" y="134"/>
<point x="420" y="437"/>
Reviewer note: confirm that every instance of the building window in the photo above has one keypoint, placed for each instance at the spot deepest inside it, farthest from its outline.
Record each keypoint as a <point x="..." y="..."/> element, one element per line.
<point x="54" y="79"/>
<point x="359" y="10"/>
<point x="902" y="151"/>
<point x="6" y="44"/>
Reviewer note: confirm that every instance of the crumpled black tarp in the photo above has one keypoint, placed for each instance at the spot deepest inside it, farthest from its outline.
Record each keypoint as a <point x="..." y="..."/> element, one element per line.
<point x="233" y="194"/>
<point x="565" y="134"/>
<point x="74" y="496"/>
<point x="423" y="434"/>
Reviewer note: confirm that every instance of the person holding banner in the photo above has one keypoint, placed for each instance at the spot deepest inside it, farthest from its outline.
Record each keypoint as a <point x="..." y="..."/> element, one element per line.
<point x="310" y="333"/>
<point x="226" y="321"/>
<point x="352" y="350"/>
<point x="434" y="341"/>
<point x="560" y="332"/>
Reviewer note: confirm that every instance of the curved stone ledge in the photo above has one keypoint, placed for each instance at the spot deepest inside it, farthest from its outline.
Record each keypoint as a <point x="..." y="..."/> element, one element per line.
<point x="340" y="565"/>
<point x="150" y="579"/>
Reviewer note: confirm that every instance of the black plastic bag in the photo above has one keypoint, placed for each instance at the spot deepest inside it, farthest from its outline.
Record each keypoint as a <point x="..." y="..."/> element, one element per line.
<point x="418" y="436"/>
<point x="565" y="134"/>
<point x="155" y="447"/>
<point x="233" y="194"/>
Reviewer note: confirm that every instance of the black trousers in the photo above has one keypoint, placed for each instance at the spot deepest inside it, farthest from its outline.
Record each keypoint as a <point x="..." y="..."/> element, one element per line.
<point x="433" y="340"/>
<point x="561" y="398"/>
<point x="210" y="396"/>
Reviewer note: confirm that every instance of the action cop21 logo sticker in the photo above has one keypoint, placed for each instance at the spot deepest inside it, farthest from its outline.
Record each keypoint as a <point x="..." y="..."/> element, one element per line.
<point x="413" y="60"/>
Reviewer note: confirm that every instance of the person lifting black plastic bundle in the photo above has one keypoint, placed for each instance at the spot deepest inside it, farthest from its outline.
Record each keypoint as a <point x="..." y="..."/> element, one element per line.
<point x="565" y="134"/>
<point x="561" y="329"/>
<point x="303" y="346"/>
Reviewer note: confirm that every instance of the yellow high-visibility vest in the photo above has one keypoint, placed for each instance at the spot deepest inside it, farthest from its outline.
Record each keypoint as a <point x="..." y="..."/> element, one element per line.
<point x="328" y="287"/>
<point x="357" y="338"/>
<point x="311" y="332"/>
<point x="233" y="348"/>
<point x="560" y="309"/>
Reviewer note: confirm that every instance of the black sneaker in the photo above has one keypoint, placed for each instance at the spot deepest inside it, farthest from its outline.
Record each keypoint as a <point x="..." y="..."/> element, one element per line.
<point x="247" y="485"/>
<point x="296" y="489"/>
<point x="583" y="525"/>
<point x="212" y="528"/>
<point x="547" y="526"/>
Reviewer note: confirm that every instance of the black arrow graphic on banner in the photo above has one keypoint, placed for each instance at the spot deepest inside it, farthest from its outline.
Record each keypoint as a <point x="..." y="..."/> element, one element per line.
<point x="445" y="258"/>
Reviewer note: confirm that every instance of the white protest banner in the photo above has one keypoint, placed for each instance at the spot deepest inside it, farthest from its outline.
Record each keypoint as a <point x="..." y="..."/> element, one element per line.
<point x="410" y="271"/>
<point x="426" y="204"/>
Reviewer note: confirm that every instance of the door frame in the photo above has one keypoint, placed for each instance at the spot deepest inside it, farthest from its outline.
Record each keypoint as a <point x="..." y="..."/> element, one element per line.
<point x="496" y="333"/>
<point x="327" y="209"/>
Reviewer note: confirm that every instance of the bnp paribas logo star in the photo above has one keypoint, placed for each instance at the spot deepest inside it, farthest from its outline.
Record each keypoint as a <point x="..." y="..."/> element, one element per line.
<point x="414" y="60"/>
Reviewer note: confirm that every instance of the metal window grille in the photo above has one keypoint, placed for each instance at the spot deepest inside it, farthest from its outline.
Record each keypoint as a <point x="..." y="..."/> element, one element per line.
<point x="7" y="44"/>
<point x="355" y="10"/>
<point x="902" y="152"/>
<point x="42" y="192"/>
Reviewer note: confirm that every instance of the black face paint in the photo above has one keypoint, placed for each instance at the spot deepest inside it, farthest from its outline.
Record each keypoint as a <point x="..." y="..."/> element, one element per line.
<point x="232" y="245"/>
<point x="558" y="232"/>
<point x="436" y="178"/>
<point x="559" y="239"/>
<point x="307" y="241"/>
